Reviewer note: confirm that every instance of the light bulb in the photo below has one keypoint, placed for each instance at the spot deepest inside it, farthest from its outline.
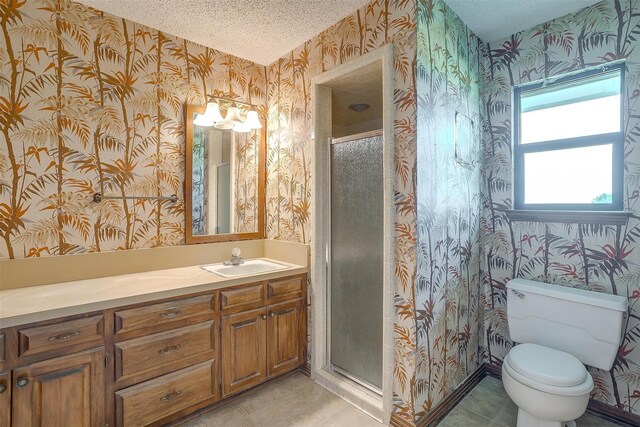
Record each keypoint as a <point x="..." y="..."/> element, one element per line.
<point x="233" y="115"/>
<point x="232" y="118"/>
<point x="210" y="117"/>
<point x="213" y="111"/>
<point x="252" y="120"/>
<point x="202" y="121"/>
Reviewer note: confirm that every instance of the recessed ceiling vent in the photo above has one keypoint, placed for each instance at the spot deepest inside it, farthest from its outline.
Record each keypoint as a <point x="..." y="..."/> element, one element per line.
<point x="359" y="108"/>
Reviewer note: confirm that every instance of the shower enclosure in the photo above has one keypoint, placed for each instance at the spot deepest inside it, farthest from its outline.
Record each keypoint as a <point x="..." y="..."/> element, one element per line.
<point x="355" y="256"/>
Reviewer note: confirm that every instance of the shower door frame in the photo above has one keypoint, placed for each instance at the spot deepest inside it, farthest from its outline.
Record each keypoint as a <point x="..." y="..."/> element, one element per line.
<point x="330" y="365"/>
<point x="380" y="407"/>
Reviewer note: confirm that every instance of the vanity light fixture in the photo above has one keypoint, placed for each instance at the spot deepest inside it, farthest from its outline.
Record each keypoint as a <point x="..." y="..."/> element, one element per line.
<point x="233" y="120"/>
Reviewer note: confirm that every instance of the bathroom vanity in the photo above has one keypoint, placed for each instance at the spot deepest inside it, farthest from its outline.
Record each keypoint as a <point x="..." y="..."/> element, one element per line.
<point x="151" y="356"/>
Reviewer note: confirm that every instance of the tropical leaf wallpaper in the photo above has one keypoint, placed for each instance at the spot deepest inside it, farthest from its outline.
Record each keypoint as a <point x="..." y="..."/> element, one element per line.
<point x="200" y="182"/>
<point x="244" y="194"/>
<point x="90" y="102"/>
<point x="595" y="257"/>
<point x="448" y="288"/>
<point x="289" y="139"/>
<point x="94" y="103"/>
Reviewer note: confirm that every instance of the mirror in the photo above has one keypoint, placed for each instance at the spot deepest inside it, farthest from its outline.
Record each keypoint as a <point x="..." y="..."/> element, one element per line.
<point x="224" y="182"/>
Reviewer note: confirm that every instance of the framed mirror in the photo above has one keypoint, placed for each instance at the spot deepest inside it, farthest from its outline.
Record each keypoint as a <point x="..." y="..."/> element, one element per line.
<point x="224" y="181"/>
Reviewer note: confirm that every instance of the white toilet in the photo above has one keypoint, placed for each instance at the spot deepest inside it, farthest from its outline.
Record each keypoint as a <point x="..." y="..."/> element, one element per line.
<point x="558" y="329"/>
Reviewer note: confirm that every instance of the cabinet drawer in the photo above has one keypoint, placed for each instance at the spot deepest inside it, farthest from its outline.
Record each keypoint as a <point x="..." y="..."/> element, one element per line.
<point x="163" y="313"/>
<point x="156" y="399"/>
<point x="41" y="339"/>
<point x="164" y="349"/>
<point x="284" y="289"/>
<point x="247" y="297"/>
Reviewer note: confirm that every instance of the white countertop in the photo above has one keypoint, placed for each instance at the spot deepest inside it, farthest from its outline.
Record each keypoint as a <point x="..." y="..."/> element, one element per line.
<point x="38" y="303"/>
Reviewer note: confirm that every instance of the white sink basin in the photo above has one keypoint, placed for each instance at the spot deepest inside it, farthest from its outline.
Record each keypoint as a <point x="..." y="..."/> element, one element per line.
<point x="251" y="266"/>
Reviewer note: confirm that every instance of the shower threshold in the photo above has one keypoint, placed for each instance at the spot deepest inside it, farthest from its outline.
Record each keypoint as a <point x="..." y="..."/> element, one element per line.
<point x="370" y="387"/>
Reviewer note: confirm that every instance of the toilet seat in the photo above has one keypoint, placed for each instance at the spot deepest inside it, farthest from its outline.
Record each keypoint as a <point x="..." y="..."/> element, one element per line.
<point x="548" y="370"/>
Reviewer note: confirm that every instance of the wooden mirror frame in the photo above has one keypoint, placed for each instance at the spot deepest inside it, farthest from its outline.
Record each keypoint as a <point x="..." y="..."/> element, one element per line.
<point x="189" y="112"/>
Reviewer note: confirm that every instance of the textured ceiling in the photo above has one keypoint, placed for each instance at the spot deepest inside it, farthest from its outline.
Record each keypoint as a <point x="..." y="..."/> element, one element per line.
<point x="363" y="86"/>
<point x="259" y="30"/>
<point x="493" y="20"/>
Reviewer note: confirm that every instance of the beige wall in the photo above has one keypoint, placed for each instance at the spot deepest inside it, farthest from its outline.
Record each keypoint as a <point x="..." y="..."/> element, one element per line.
<point x="22" y="273"/>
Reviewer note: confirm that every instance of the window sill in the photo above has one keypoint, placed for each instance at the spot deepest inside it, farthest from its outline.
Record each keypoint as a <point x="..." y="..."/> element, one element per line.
<point x="570" y="217"/>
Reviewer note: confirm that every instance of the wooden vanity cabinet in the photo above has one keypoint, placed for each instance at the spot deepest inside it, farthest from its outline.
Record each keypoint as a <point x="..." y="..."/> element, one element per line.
<point x="152" y="363"/>
<point x="261" y="343"/>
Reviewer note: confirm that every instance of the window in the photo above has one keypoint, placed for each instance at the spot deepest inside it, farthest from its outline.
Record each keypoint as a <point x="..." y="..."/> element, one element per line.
<point x="569" y="142"/>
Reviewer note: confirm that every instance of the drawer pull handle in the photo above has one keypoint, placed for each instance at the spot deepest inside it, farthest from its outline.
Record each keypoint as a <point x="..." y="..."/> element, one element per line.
<point x="59" y="374"/>
<point x="170" y="315"/>
<point x="22" y="382"/>
<point x="64" y="337"/>
<point x="170" y="396"/>
<point x="3" y="388"/>
<point x="169" y="349"/>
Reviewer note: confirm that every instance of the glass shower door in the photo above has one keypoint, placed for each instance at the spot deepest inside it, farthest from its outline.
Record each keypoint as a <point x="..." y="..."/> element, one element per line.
<point x="356" y="257"/>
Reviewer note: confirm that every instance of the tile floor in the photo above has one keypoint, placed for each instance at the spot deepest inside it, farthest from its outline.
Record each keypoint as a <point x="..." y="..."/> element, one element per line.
<point x="489" y="405"/>
<point x="295" y="400"/>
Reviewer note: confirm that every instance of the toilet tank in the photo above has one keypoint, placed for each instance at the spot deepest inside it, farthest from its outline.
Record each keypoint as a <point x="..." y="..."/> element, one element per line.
<point x="586" y="324"/>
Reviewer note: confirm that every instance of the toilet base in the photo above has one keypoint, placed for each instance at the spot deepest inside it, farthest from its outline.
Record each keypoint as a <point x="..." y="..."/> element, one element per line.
<point x="525" y="419"/>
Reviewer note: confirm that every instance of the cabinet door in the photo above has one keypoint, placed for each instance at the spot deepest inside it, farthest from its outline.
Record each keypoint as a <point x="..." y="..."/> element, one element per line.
<point x="283" y="337"/>
<point x="5" y="399"/>
<point x="67" y="392"/>
<point x="244" y="358"/>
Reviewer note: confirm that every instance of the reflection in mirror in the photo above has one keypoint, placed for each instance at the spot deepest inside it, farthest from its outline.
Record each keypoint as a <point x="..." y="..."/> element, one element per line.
<point x="224" y="176"/>
<point x="225" y="181"/>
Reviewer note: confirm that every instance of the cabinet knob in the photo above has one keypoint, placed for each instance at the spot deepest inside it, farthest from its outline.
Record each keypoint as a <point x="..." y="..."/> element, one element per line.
<point x="3" y="388"/>
<point x="272" y="314"/>
<point x="264" y="317"/>
<point x="22" y="382"/>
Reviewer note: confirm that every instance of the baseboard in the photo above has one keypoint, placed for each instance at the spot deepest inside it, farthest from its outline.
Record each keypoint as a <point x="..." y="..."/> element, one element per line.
<point x="434" y="416"/>
<point x="613" y="414"/>
<point x="306" y="369"/>
<point x="396" y="421"/>
<point x="493" y="370"/>
<point x="597" y="408"/>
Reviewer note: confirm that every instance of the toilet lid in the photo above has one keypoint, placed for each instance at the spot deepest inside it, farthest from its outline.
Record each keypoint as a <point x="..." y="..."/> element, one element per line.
<point x="546" y="365"/>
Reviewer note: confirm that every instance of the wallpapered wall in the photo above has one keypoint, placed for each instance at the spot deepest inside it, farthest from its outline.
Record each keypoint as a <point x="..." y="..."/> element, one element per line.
<point x="88" y="98"/>
<point x="289" y="136"/>
<point x="448" y="290"/>
<point x="600" y="258"/>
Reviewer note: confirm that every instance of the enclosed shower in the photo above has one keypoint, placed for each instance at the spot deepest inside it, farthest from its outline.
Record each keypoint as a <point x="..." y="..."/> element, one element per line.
<point x="353" y="232"/>
<point x="356" y="257"/>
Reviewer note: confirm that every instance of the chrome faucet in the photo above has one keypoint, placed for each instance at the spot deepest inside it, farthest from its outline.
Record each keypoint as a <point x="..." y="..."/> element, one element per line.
<point x="236" y="258"/>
